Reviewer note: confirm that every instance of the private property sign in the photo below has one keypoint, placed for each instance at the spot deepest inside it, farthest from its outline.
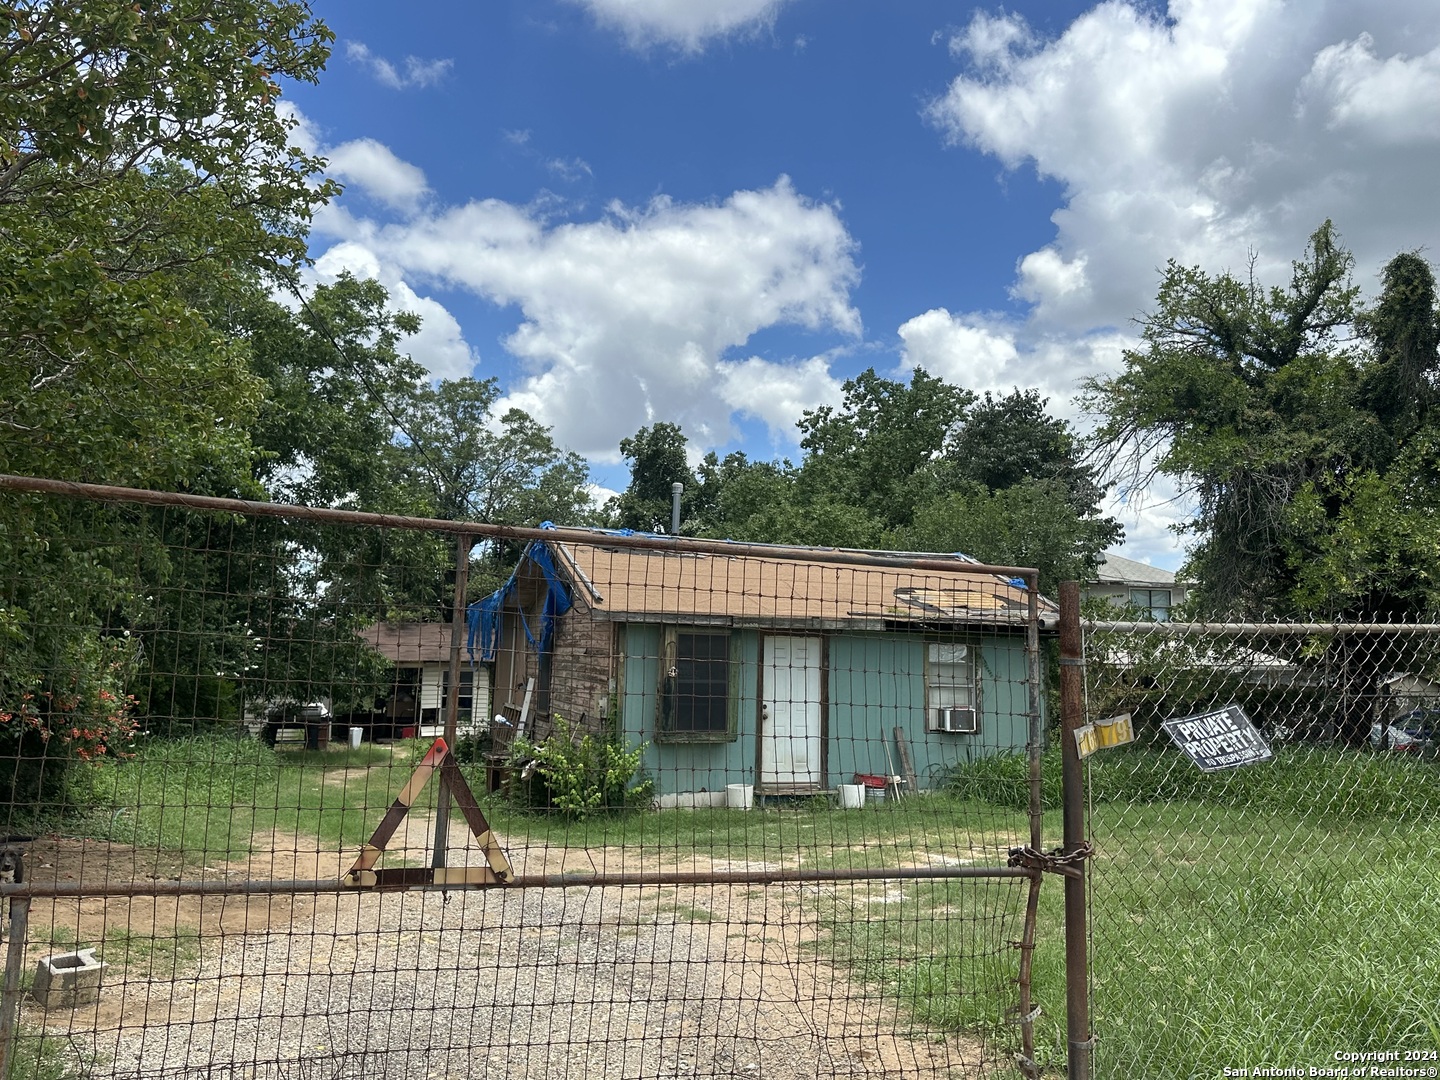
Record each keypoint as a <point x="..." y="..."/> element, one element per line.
<point x="1219" y="740"/>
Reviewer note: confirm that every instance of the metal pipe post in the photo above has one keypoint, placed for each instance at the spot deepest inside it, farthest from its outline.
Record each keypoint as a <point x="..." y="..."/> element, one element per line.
<point x="1072" y="716"/>
<point x="452" y="698"/>
<point x="10" y="990"/>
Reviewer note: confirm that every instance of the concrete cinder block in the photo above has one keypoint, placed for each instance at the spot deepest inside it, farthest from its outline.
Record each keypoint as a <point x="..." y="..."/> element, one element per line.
<point x="68" y="979"/>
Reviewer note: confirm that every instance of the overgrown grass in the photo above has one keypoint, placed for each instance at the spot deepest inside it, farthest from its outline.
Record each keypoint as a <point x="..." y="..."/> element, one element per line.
<point x="206" y="796"/>
<point x="1268" y="915"/>
<point x="1346" y="785"/>
<point x="1264" y="915"/>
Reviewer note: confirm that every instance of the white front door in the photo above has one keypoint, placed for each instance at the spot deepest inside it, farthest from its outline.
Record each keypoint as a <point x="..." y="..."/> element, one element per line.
<point x="790" y="714"/>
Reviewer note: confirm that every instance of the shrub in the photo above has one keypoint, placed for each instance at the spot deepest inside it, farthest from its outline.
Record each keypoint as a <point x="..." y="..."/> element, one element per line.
<point x="576" y="773"/>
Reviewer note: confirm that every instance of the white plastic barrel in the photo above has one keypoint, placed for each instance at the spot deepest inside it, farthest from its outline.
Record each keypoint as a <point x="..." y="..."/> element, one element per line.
<point x="852" y="796"/>
<point x="355" y="733"/>
<point x="739" y="796"/>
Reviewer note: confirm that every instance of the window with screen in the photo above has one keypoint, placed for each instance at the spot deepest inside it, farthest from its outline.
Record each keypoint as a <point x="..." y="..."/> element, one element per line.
<point x="695" y="686"/>
<point x="951" y="697"/>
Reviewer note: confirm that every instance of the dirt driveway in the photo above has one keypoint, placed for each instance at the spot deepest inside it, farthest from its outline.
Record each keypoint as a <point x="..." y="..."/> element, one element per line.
<point x="715" y="981"/>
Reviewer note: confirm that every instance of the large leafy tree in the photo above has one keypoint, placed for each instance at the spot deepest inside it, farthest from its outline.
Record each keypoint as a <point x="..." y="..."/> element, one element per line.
<point x="147" y="181"/>
<point x="877" y="451"/>
<point x="1270" y="411"/>
<point x="1301" y="426"/>
<point x="922" y="466"/>
<point x="657" y="459"/>
<point x="143" y="165"/>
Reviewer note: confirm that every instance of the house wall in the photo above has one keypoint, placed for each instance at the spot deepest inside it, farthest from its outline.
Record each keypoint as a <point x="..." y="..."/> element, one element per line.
<point x="582" y="672"/>
<point x="687" y="766"/>
<point x="1119" y="595"/>
<point x="874" y="683"/>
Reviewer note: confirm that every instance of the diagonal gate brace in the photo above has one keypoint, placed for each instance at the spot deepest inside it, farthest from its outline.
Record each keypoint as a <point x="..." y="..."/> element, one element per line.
<point x="364" y="875"/>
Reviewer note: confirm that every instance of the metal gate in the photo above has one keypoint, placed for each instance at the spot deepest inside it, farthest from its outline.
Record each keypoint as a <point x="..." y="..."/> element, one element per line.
<point x="305" y="792"/>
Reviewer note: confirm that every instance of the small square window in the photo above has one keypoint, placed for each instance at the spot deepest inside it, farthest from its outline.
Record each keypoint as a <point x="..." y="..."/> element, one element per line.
<point x="695" y="687"/>
<point x="951" y="695"/>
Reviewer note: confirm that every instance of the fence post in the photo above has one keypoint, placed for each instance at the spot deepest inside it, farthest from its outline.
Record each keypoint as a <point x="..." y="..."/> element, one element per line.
<point x="10" y="994"/>
<point x="1072" y="716"/>
<point x="452" y="697"/>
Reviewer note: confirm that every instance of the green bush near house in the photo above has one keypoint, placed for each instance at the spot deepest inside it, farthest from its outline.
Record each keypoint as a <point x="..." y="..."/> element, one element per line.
<point x="577" y="773"/>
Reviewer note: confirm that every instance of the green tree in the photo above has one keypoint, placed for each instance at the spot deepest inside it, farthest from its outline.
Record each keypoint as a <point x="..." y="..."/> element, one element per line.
<point x="147" y="181"/>
<point x="877" y="452"/>
<point x="1030" y="523"/>
<point x="1301" y="426"/>
<point x="657" y="459"/>
<point x="1006" y="441"/>
<point x="1246" y="397"/>
<point x="142" y="163"/>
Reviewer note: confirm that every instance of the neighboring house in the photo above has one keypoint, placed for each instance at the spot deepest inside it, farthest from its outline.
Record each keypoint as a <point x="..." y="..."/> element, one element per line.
<point x="791" y="675"/>
<point x="1400" y="693"/>
<point x="1124" y="582"/>
<point x="421" y="680"/>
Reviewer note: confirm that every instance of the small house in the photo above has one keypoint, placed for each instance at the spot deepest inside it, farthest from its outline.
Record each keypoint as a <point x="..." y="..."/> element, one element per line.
<point x="414" y="704"/>
<point x="794" y="675"/>
<point x="1127" y="583"/>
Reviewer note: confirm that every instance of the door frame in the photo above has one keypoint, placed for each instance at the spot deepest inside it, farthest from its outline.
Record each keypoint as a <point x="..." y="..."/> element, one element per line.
<point x="760" y="691"/>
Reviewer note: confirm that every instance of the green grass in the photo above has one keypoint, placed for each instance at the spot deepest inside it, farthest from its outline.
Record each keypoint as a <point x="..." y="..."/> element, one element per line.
<point x="1267" y="915"/>
<point x="204" y="798"/>
<point x="1270" y="938"/>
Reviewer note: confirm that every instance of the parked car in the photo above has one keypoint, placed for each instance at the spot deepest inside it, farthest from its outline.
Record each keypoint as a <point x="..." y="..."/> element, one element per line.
<point x="1415" y="732"/>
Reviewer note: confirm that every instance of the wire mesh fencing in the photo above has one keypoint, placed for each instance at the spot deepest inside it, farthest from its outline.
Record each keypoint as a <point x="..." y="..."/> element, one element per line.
<point x="299" y="793"/>
<point x="1267" y="902"/>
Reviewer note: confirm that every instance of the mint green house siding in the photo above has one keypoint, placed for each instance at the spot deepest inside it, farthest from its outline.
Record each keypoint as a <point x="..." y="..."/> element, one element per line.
<point x="872" y="684"/>
<point x="877" y="683"/>
<point x="689" y="766"/>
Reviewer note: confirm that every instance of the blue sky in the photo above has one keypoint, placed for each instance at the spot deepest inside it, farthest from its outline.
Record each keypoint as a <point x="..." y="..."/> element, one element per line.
<point x="714" y="211"/>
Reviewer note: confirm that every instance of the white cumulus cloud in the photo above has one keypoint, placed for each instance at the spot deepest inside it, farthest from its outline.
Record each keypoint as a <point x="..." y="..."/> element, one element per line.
<point x="629" y="318"/>
<point x="1207" y="131"/>
<point x="373" y="167"/>
<point x="412" y="71"/>
<point x="1202" y="133"/>
<point x="778" y="394"/>
<point x="687" y="25"/>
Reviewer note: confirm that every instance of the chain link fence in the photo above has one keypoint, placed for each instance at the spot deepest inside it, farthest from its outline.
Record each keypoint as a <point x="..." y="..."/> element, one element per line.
<point x="1278" y="915"/>
<point x="296" y="793"/>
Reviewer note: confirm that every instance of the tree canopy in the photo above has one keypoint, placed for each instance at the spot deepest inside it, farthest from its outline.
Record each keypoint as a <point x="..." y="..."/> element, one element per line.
<point x="922" y="465"/>
<point x="1299" y="423"/>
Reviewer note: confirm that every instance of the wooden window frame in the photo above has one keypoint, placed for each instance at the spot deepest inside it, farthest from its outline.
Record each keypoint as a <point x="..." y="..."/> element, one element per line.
<point x="669" y="649"/>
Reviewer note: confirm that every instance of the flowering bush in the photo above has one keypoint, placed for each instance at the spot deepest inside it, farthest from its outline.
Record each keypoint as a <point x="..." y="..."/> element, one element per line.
<point x="76" y="708"/>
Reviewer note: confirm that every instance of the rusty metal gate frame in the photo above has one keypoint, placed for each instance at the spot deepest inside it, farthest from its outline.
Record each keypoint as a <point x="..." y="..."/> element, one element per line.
<point x="1030" y="862"/>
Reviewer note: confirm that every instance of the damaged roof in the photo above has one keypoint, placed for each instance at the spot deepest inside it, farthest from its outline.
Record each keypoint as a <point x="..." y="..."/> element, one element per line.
<point x="628" y="583"/>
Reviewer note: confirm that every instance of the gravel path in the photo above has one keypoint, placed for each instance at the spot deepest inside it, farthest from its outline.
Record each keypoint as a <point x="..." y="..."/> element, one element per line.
<point x="582" y="982"/>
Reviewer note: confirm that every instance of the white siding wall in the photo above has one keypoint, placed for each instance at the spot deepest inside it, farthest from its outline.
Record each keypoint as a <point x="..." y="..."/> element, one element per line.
<point x="432" y="679"/>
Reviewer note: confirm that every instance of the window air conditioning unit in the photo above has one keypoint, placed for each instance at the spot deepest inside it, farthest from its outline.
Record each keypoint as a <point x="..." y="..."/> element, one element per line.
<point x="962" y="721"/>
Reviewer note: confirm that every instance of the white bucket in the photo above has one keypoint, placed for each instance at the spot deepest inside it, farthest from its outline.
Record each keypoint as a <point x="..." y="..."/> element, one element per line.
<point x="355" y="733"/>
<point x="739" y="796"/>
<point x="852" y="796"/>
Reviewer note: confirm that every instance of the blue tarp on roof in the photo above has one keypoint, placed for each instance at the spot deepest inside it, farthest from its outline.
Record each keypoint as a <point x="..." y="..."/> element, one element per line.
<point x="483" y="617"/>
